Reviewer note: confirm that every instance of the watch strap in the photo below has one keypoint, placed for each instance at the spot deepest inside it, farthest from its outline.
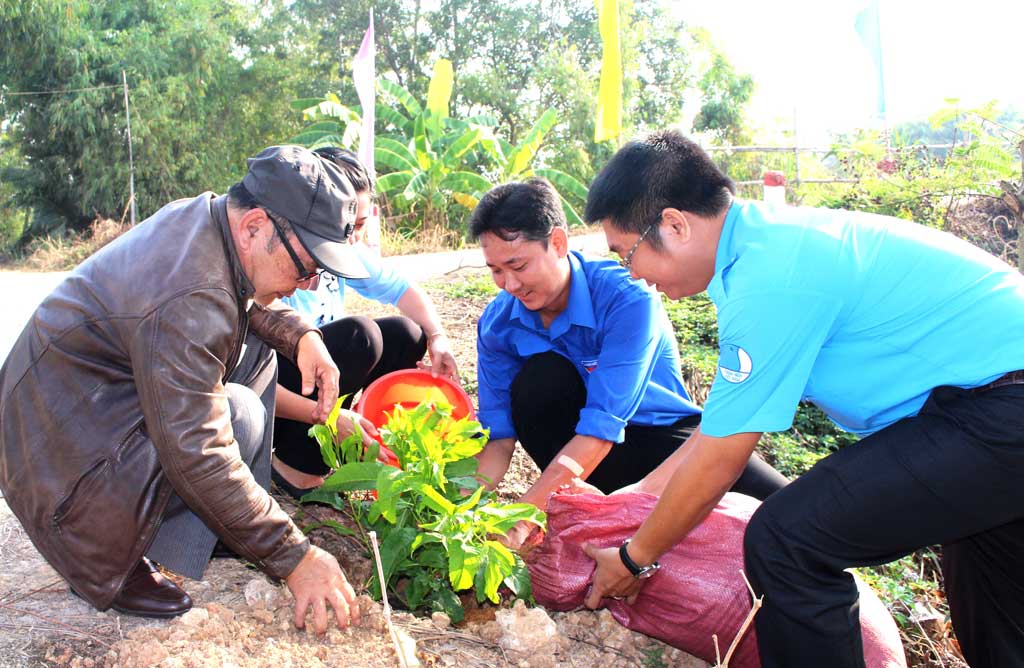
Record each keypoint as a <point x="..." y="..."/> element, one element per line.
<point x="636" y="569"/>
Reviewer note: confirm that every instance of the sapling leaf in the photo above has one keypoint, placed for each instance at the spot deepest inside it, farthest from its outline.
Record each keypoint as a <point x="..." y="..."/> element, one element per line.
<point x="461" y="468"/>
<point x="338" y="527"/>
<point x="497" y="563"/>
<point x="390" y="484"/>
<point x="417" y="590"/>
<point x="328" y="451"/>
<point x="434" y="558"/>
<point x="348" y="477"/>
<point x="434" y="500"/>
<point x="448" y="603"/>
<point x="423" y="539"/>
<point x="395" y="548"/>
<point x="372" y="452"/>
<point x="463" y="562"/>
<point x="320" y="495"/>
<point x="470" y="502"/>
<point x="332" y="417"/>
<point x="518" y="581"/>
<point x="352" y="447"/>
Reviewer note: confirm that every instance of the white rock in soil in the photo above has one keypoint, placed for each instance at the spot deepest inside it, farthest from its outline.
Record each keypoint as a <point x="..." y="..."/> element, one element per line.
<point x="440" y="620"/>
<point x="195" y="617"/>
<point x="529" y="634"/>
<point x="259" y="593"/>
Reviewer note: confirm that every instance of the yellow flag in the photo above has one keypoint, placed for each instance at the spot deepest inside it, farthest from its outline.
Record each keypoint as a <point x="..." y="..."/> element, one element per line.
<point x="439" y="93"/>
<point x="609" y="96"/>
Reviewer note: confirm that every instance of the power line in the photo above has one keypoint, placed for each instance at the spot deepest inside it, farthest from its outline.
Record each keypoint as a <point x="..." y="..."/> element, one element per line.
<point x="57" y="92"/>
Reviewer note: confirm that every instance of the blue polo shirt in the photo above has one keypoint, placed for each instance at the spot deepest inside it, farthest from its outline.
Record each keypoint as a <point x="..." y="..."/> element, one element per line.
<point x="326" y="304"/>
<point x="862" y="315"/>
<point x="614" y="331"/>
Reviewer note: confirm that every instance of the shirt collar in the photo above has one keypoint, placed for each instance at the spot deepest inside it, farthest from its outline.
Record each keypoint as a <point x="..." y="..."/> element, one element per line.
<point x="579" y="310"/>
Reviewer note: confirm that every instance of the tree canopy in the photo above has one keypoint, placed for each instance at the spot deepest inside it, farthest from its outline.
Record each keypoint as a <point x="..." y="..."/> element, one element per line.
<point x="210" y="82"/>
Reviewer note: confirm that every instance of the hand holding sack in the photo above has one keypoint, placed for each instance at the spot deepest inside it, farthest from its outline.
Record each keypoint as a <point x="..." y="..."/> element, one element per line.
<point x="697" y="592"/>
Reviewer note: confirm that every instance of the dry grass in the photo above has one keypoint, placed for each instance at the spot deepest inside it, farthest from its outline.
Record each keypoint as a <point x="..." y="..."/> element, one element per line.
<point x="432" y="240"/>
<point x="65" y="252"/>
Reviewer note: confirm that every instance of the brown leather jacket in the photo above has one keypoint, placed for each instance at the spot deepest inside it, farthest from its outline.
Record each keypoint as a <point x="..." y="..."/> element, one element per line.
<point x="113" y="396"/>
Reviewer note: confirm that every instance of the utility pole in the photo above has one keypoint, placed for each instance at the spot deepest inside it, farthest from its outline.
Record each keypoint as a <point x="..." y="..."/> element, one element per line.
<point x="131" y="160"/>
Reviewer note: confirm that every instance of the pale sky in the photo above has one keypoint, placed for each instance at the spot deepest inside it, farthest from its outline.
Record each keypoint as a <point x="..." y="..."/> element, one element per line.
<point x="806" y="55"/>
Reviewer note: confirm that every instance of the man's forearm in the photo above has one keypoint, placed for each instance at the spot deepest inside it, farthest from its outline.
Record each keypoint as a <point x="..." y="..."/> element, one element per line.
<point x="577" y="459"/>
<point x="494" y="460"/>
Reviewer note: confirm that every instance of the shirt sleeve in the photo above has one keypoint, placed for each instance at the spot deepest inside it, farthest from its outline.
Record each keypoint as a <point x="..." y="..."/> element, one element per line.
<point x="625" y="364"/>
<point x="496" y="366"/>
<point x="768" y="344"/>
<point x="383" y="285"/>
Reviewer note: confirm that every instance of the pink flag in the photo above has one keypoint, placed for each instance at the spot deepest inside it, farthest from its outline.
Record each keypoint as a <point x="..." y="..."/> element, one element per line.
<point x="364" y="74"/>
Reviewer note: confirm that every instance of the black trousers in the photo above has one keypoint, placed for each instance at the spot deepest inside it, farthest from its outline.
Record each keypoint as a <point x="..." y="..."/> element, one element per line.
<point x="952" y="475"/>
<point x="547" y="396"/>
<point x="364" y="350"/>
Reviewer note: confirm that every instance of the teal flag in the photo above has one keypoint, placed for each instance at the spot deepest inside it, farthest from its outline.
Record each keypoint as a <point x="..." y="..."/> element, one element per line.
<point x="868" y="26"/>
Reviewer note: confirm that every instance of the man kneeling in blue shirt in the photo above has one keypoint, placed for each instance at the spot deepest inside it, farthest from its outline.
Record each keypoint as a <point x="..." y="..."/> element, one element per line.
<point x="576" y="360"/>
<point x="899" y="332"/>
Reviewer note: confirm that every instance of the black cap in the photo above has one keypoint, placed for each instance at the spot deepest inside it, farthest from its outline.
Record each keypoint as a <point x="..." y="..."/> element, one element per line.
<point x="315" y="197"/>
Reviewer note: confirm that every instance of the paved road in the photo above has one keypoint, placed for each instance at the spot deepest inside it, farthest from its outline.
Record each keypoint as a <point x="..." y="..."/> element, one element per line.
<point x="24" y="290"/>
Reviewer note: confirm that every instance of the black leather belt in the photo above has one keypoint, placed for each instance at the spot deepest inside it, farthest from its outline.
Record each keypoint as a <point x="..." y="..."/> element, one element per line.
<point x="1011" y="378"/>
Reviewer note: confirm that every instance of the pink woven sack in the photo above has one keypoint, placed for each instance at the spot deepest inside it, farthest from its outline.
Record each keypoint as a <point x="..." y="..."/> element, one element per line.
<point x="699" y="590"/>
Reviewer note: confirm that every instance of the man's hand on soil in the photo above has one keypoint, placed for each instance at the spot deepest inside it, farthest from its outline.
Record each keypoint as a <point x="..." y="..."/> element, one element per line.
<point x="317" y="581"/>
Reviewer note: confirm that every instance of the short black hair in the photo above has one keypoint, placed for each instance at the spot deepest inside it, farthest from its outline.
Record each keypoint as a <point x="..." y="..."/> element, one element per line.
<point x="350" y="165"/>
<point x="646" y="176"/>
<point x="530" y="209"/>
<point x="240" y="198"/>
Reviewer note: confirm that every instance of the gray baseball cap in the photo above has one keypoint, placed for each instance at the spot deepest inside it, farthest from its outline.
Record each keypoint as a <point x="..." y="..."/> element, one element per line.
<point x="315" y="197"/>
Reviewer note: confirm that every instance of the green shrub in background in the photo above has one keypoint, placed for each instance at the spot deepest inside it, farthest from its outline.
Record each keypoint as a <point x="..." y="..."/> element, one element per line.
<point x="909" y="181"/>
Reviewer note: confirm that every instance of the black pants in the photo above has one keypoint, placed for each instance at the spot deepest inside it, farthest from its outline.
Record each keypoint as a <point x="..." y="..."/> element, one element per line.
<point x="547" y="396"/>
<point x="953" y="475"/>
<point x="364" y="350"/>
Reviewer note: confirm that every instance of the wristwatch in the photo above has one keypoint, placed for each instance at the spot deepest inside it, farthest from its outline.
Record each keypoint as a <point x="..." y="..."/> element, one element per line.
<point x="638" y="571"/>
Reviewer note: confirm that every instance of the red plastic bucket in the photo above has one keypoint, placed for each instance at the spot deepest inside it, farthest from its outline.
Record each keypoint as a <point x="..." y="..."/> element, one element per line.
<point x="409" y="388"/>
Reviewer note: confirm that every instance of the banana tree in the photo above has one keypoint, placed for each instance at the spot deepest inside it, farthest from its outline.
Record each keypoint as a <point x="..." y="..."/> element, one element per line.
<point x="431" y="161"/>
<point x="515" y="163"/>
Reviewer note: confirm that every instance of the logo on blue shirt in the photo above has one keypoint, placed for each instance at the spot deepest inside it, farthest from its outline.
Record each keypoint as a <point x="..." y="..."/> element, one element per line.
<point x="734" y="363"/>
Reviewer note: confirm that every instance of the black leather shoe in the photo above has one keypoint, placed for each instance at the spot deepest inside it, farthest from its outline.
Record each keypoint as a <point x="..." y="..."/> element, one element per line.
<point x="147" y="593"/>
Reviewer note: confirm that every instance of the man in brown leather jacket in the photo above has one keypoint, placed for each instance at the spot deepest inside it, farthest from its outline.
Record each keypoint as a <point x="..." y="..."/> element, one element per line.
<point x="136" y="407"/>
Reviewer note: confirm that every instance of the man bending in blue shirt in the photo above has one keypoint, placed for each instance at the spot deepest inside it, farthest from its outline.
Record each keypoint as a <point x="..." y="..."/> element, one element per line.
<point x="899" y="332"/>
<point x="575" y="359"/>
